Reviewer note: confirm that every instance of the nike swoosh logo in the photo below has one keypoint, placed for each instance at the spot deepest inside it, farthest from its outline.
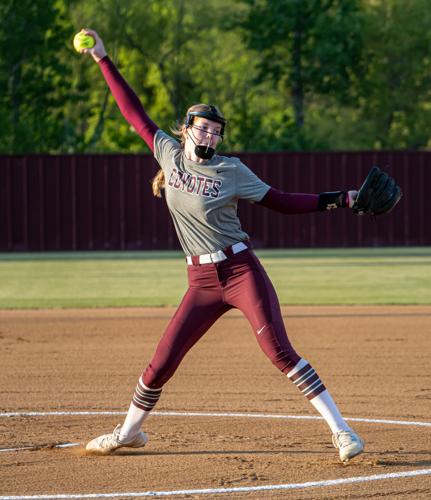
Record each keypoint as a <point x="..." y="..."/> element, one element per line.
<point x="261" y="330"/>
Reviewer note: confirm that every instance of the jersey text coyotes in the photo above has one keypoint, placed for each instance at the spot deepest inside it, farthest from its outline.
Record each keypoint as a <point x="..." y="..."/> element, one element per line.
<point x="195" y="184"/>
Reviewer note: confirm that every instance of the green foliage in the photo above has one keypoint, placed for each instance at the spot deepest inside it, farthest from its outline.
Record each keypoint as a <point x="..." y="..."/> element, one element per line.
<point x="289" y="74"/>
<point x="394" y="94"/>
<point x="177" y="63"/>
<point x="33" y="76"/>
<point x="307" y="50"/>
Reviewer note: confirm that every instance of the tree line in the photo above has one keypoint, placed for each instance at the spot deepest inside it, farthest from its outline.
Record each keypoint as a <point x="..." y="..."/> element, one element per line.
<point x="288" y="74"/>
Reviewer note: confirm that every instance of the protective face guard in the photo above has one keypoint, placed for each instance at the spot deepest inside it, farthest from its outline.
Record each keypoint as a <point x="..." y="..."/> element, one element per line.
<point x="201" y="151"/>
<point x="217" y="134"/>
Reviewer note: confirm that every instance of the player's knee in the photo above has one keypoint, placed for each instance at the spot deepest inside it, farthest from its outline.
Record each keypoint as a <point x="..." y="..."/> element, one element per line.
<point x="277" y="348"/>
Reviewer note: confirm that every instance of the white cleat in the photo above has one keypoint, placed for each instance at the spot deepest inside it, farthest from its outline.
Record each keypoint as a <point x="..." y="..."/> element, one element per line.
<point x="349" y="444"/>
<point x="106" y="444"/>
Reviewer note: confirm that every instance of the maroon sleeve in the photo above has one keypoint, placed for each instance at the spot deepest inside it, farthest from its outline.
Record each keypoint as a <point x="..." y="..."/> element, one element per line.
<point x="128" y="102"/>
<point x="290" y="203"/>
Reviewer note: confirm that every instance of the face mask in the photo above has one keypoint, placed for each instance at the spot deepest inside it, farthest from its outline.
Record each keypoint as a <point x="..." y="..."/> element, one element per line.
<point x="201" y="151"/>
<point x="204" y="152"/>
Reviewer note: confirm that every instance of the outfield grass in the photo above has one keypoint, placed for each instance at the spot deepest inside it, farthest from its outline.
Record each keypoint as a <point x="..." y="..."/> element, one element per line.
<point x="128" y="279"/>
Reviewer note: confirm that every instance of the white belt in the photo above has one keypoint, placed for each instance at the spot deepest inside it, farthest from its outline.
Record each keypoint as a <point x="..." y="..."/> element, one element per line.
<point x="218" y="256"/>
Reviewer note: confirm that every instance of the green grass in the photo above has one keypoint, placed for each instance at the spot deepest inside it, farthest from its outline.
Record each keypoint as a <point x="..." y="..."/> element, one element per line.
<point x="127" y="279"/>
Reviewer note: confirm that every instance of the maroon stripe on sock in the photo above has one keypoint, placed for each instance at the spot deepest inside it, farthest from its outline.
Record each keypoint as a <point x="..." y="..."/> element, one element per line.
<point x="316" y="392"/>
<point x="299" y="373"/>
<point x="308" y="382"/>
<point x="141" y="406"/>
<point x="312" y="386"/>
<point x="146" y="394"/>
<point x="145" y="399"/>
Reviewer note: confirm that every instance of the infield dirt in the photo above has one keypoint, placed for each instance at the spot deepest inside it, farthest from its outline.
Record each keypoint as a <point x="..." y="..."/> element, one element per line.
<point x="374" y="361"/>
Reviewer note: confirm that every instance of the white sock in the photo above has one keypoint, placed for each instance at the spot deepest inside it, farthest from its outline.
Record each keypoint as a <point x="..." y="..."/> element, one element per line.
<point x="308" y="382"/>
<point x="326" y="406"/>
<point x="132" y="424"/>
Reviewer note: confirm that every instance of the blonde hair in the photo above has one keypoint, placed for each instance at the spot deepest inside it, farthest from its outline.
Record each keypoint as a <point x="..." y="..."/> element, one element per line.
<point x="158" y="181"/>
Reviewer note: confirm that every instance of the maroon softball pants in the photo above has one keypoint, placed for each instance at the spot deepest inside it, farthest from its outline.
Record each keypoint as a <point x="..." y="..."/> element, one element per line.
<point x="239" y="282"/>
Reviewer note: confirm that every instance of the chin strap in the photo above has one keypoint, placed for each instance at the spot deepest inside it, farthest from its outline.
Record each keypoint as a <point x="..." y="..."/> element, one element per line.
<point x="201" y="151"/>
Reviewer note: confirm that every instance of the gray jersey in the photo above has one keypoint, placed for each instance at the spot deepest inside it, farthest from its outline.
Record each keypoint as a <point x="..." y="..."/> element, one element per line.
<point x="202" y="197"/>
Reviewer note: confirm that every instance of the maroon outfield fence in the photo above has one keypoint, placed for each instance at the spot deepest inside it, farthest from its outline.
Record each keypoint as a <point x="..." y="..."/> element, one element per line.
<point x="104" y="202"/>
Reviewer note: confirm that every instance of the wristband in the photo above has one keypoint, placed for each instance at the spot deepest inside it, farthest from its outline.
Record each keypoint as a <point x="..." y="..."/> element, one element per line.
<point x="332" y="199"/>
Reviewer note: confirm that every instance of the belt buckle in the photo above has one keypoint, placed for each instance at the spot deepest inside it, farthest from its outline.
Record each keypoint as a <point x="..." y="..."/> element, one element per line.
<point x="205" y="259"/>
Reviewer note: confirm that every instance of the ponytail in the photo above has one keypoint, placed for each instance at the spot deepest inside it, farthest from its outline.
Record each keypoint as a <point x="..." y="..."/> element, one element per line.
<point x="158" y="183"/>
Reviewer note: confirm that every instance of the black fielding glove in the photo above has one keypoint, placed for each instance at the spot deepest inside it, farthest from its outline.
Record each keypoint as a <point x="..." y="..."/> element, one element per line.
<point x="378" y="194"/>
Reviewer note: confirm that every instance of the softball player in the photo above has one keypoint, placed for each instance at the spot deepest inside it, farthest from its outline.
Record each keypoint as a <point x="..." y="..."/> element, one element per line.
<point x="202" y="189"/>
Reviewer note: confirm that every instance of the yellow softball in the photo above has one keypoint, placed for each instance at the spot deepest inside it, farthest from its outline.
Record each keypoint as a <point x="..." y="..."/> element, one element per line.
<point x="83" y="41"/>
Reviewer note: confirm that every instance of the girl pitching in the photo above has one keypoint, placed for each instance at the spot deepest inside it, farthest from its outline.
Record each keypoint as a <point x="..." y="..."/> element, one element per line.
<point x="202" y="189"/>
